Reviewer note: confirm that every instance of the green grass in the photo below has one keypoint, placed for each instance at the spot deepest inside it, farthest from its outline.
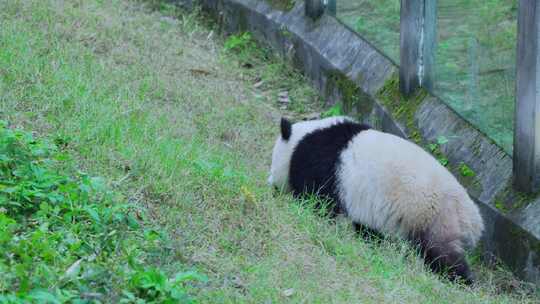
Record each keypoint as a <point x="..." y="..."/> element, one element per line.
<point x="181" y="129"/>
<point x="66" y="236"/>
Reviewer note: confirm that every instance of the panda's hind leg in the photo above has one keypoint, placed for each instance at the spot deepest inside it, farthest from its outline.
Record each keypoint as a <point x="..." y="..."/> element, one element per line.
<point x="445" y="258"/>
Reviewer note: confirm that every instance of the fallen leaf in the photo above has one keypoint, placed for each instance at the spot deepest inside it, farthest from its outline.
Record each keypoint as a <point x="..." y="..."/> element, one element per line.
<point x="284" y="100"/>
<point x="288" y="292"/>
<point x="248" y="194"/>
<point x="73" y="270"/>
<point x="283" y="97"/>
<point x="238" y="283"/>
<point x="441" y="140"/>
<point x="312" y="116"/>
<point x="258" y="84"/>
<point x="258" y="96"/>
<point x="199" y="72"/>
<point x="92" y="295"/>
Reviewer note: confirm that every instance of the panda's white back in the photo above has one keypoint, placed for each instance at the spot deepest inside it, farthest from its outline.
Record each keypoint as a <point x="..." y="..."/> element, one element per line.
<point x="393" y="185"/>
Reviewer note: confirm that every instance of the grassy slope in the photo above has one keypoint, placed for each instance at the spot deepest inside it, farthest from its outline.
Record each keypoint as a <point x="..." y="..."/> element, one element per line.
<point x="129" y="90"/>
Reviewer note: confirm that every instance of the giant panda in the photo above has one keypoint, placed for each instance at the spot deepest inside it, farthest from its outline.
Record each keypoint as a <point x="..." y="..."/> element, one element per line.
<point x="382" y="182"/>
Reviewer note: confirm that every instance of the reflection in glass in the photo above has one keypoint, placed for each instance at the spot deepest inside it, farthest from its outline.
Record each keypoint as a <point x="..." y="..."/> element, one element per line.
<point x="475" y="63"/>
<point x="375" y="20"/>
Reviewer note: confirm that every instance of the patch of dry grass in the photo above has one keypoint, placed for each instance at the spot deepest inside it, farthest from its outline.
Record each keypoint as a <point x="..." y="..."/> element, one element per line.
<point x="152" y="94"/>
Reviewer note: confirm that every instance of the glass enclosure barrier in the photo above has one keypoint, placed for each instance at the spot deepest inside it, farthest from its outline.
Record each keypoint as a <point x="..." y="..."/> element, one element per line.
<point x="376" y="20"/>
<point x="475" y="63"/>
<point x="475" y="58"/>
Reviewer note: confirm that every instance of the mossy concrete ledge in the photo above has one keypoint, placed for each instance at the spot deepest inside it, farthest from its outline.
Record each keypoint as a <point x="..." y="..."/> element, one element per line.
<point x="347" y="68"/>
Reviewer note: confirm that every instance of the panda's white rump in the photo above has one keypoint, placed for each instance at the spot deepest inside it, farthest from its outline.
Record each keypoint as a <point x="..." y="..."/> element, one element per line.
<point x="394" y="186"/>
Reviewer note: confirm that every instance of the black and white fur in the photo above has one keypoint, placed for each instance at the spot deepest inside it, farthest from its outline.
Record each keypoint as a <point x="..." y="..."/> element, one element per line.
<point x="383" y="182"/>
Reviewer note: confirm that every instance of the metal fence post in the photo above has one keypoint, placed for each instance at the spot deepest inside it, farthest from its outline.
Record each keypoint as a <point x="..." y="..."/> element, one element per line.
<point x="314" y="8"/>
<point x="527" y="119"/>
<point x="331" y="7"/>
<point x="418" y="28"/>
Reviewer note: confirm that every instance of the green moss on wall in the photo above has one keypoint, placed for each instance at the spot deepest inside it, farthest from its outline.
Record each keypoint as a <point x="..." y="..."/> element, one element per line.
<point x="352" y="97"/>
<point x="523" y="199"/>
<point x="503" y="199"/>
<point x="351" y="94"/>
<point x="501" y="206"/>
<point x="476" y="147"/>
<point x="510" y="200"/>
<point x="402" y="108"/>
<point x="282" y="5"/>
<point x="284" y="31"/>
<point x="466" y="171"/>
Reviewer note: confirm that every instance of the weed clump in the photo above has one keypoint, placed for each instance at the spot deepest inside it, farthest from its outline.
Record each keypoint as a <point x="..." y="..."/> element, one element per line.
<point x="65" y="235"/>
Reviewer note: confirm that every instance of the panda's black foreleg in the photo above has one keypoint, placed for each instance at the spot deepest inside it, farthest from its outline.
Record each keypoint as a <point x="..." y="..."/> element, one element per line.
<point x="444" y="259"/>
<point x="451" y="263"/>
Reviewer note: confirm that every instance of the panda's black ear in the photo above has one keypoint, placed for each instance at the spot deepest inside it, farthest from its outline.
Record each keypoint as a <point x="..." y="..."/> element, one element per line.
<point x="286" y="128"/>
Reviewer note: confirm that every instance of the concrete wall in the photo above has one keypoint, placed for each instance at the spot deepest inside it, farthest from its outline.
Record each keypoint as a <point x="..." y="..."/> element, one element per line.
<point x="336" y="58"/>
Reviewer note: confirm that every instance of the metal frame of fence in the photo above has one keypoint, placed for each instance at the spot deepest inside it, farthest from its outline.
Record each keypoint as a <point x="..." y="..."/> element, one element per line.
<point x="418" y="25"/>
<point x="527" y="120"/>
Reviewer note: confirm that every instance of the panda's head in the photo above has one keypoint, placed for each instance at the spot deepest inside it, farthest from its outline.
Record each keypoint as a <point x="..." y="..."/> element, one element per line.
<point x="281" y="157"/>
<point x="291" y="135"/>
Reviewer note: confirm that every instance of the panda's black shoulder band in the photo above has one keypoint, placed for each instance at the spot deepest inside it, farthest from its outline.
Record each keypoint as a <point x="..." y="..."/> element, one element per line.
<point x="286" y="128"/>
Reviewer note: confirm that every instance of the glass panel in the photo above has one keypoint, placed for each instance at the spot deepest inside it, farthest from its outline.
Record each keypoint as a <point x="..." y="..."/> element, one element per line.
<point x="376" y="20"/>
<point x="475" y="63"/>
